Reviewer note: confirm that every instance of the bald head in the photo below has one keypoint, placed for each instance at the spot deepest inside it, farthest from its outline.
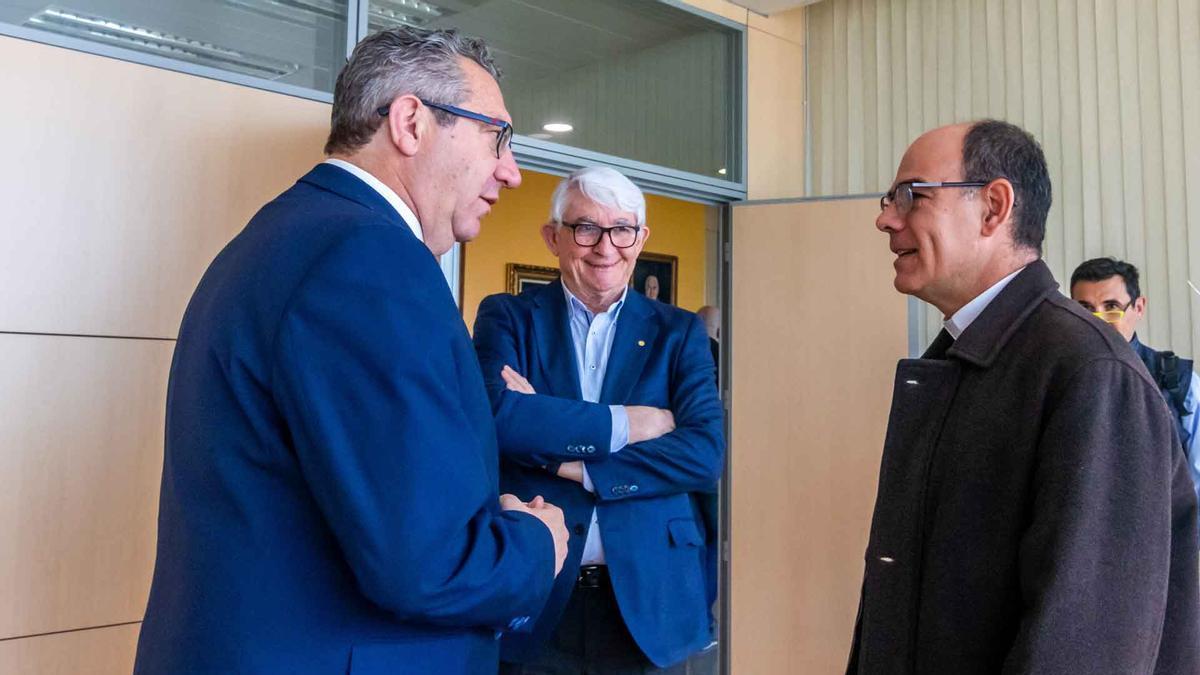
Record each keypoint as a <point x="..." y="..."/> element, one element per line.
<point x="968" y="206"/>
<point x="711" y="316"/>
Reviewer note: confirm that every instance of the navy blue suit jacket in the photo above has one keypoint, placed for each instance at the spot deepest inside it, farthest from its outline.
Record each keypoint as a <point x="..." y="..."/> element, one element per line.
<point x="653" y="541"/>
<point x="329" y="497"/>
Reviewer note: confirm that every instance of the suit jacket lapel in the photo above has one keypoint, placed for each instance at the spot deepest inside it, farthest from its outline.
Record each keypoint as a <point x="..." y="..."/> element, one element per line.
<point x="637" y="331"/>
<point x="555" y="348"/>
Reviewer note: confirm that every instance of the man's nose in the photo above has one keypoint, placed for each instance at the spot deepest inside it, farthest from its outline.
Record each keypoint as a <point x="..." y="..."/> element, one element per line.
<point x="605" y="246"/>
<point x="888" y="220"/>
<point x="507" y="171"/>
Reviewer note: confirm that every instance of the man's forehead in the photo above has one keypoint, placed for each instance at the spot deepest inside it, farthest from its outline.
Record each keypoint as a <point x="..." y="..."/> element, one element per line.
<point x="484" y="91"/>
<point x="935" y="156"/>
<point x="579" y="203"/>
<point x="1112" y="288"/>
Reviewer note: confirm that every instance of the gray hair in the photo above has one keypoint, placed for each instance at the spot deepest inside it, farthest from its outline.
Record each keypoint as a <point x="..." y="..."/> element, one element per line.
<point x="394" y="62"/>
<point x="605" y="186"/>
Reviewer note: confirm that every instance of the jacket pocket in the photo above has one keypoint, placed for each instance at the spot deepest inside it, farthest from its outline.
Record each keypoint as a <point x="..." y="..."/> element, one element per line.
<point x="683" y="532"/>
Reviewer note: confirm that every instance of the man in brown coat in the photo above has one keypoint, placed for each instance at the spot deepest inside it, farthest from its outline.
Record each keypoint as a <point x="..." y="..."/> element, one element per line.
<point x="1034" y="514"/>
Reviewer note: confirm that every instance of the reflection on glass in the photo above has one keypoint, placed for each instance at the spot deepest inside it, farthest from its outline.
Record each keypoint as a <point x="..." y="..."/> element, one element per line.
<point x="299" y="42"/>
<point x="639" y="80"/>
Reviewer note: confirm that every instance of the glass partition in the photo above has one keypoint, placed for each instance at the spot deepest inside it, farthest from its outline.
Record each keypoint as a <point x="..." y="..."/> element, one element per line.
<point x="638" y="80"/>
<point x="296" y="42"/>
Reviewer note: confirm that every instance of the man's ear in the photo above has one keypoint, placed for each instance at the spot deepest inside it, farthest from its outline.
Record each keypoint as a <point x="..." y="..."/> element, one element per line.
<point x="998" y="199"/>
<point x="407" y="127"/>
<point x="1139" y="305"/>
<point x="550" y="233"/>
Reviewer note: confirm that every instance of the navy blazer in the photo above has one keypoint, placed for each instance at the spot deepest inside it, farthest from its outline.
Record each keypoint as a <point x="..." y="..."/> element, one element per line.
<point x="329" y="496"/>
<point x="653" y="542"/>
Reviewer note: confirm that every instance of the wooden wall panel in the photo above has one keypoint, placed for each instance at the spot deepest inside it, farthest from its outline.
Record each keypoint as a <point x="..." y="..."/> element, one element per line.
<point x="121" y="182"/>
<point x="99" y="651"/>
<point x="817" y="330"/>
<point x="79" y="476"/>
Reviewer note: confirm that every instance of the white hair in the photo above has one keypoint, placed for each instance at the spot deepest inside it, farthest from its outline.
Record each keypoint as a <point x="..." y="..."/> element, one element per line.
<point x="601" y="184"/>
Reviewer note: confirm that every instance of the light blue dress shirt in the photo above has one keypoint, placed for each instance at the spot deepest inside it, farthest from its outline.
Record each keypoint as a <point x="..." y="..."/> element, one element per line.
<point x="592" y="335"/>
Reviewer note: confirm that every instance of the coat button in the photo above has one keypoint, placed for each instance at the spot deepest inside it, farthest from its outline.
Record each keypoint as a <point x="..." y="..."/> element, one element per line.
<point x="579" y="530"/>
<point x="591" y="449"/>
<point x="633" y="488"/>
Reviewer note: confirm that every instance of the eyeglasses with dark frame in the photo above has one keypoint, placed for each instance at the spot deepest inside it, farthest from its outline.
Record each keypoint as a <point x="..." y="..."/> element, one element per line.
<point x="902" y="194"/>
<point x="589" y="234"/>
<point x="503" y="137"/>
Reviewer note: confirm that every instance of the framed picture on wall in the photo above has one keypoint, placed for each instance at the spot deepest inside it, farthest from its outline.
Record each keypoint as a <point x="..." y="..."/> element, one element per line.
<point x="524" y="277"/>
<point x="660" y="272"/>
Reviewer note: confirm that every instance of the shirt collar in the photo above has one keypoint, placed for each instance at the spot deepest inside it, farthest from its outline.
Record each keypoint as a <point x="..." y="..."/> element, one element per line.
<point x="576" y="305"/>
<point x="964" y="317"/>
<point x="384" y="191"/>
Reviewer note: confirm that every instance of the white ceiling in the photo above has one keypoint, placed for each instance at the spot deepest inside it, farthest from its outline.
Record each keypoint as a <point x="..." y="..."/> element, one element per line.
<point x="769" y="7"/>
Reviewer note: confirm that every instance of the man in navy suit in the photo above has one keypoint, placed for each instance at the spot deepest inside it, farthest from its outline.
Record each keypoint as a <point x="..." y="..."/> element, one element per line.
<point x="605" y="404"/>
<point x="329" y="496"/>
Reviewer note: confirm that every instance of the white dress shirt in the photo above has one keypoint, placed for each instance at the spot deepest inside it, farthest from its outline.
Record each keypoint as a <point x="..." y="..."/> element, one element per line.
<point x="964" y="317"/>
<point x="384" y="191"/>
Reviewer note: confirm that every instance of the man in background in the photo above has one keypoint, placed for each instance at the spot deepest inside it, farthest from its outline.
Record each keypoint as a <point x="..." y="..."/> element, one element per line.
<point x="329" y="496"/>
<point x="1110" y="289"/>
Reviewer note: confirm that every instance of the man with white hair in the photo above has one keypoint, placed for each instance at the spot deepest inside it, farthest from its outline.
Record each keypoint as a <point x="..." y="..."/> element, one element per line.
<point x="605" y="405"/>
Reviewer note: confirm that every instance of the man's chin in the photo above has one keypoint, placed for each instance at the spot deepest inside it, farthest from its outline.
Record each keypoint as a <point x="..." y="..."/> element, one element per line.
<point x="467" y="231"/>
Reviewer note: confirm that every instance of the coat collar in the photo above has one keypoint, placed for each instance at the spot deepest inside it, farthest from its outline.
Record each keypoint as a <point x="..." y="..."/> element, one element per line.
<point x="981" y="342"/>
<point x="344" y="184"/>
<point x="634" y="339"/>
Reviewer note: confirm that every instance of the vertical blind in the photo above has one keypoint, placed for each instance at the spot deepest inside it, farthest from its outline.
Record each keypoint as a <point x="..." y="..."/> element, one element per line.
<point x="1111" y="89"/>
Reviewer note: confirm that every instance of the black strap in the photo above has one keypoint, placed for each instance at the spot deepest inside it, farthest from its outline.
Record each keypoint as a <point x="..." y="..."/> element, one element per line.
<point x="1171" y="382"/>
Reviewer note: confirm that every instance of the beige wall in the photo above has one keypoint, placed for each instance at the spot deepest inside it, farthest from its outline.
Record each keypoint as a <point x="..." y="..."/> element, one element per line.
<point x="775" y="98"/>
<point x="120" y="185"/>
<point x="817" y="330"/>
<point x="1111" y="88"/>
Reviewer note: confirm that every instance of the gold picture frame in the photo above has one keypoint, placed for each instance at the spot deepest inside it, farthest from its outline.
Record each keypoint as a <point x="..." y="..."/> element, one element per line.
<point x="523" y="277"/>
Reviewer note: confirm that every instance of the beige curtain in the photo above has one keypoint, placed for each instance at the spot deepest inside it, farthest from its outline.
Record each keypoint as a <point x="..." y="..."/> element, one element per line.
<point x="1111" y="88"/>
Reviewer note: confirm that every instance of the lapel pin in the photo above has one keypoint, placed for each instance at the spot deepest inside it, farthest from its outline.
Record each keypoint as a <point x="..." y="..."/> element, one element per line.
<point x="641" y="343"/>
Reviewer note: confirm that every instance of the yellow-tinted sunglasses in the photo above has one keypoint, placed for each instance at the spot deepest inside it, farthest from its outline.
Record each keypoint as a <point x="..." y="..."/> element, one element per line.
<point x="1112" y="315"/>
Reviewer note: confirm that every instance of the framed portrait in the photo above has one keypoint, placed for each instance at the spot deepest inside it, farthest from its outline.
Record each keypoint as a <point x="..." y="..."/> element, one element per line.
<point x="658" y="271"/>
<point x="523" y="277"/>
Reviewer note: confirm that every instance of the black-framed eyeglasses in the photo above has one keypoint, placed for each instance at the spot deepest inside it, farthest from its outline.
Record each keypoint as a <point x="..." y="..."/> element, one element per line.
<point x="902" y="195"/>
<point x="589" y="234"/>
<point x="503" y="136"/>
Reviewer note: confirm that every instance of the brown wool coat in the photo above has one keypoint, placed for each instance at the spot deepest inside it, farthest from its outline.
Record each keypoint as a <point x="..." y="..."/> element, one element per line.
<point x="1035" y="513"/>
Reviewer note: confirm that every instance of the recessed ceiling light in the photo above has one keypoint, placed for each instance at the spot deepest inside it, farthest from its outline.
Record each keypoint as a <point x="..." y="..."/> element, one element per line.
<point x="542" y="135"/>
<point x="558" y="127"/>
<point x="721" y="171"/>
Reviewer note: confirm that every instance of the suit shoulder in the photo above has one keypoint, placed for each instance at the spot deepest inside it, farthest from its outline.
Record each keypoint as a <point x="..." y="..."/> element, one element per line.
<point x="671" y="315"/>
<point x="1077" y="339"/>
<point x="506" y="302"/>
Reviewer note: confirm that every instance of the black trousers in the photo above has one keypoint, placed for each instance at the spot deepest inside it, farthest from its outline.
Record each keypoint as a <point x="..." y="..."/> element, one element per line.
<point x="591" y="639"/>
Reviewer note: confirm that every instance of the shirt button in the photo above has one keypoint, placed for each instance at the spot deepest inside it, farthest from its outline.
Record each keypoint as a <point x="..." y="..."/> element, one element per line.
<point x="593" y="367"/>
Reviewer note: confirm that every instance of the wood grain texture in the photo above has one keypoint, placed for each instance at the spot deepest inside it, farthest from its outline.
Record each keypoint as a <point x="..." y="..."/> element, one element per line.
<point x="817" y="330"/>
<point x="79" y="478"/>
